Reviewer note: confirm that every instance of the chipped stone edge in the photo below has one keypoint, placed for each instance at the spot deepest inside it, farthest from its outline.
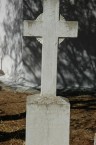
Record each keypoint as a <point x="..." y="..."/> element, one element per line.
<point x="43" y="100"/>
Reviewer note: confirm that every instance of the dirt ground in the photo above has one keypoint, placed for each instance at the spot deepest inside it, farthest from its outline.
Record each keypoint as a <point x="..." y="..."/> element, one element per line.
<point x="13" y="118"/>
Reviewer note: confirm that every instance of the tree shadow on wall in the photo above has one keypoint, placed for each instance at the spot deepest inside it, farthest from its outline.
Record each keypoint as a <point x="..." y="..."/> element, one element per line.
<point x="32" y="60"/>
<point x="32" y="9"/>
<point x="12" y="45"/>
<point x="76" y="57"/>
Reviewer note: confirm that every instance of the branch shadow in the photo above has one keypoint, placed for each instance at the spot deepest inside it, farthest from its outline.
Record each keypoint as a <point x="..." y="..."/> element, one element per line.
<point x="32" y="52"/>
<point x="19" y="134"/>
<point x="86" y="105"/>
<point x="5" y="136"/>
<point x="13" y="117"/>
<point x="77" y="56"/>
<point x="12" y="43"/>
<point x="80" y="98"/>
<point x="32" y="9"/>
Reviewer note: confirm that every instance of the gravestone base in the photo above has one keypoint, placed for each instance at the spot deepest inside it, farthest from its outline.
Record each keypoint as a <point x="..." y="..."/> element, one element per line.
<point x="47" y="120"/>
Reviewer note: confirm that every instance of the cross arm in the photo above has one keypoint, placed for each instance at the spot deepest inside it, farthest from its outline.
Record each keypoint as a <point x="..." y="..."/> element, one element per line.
<point x="67" y="28"/>
<point x="33" y="28"/>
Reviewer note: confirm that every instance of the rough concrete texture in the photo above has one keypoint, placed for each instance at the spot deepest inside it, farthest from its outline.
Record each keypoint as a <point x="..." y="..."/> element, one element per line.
<point x="47" y="121"/>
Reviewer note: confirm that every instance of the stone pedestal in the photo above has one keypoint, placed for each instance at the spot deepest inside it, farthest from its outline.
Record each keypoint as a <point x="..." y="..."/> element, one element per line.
<point x="47" y="121"/>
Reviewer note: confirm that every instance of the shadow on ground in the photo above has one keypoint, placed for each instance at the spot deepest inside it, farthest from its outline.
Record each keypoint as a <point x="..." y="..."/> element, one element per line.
<point x="13" y="117"/>
<point x="86" y="104"/>
<point x="20" y="134"/>
<point x="5" y="136"/>
<point x="80" y="99"/>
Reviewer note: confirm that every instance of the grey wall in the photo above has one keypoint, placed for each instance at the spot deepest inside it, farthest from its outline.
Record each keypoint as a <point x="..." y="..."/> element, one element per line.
<point x="11" y="38"/>
<point x="76" y="57"/>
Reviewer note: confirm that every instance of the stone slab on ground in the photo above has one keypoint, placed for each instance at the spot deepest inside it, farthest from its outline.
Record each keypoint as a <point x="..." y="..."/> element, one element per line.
<point x="47" y="121"/>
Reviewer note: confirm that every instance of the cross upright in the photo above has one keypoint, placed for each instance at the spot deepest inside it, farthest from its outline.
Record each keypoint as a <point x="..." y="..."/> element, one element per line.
<point x="51" y="27"/>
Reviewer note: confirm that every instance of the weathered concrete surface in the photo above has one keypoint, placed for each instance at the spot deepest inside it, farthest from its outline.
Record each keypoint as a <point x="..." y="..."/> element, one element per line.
<point x="47" y="121"/>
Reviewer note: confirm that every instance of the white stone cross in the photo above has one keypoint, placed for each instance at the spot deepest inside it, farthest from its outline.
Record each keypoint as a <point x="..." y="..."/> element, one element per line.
<point x="50" y="26"/>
